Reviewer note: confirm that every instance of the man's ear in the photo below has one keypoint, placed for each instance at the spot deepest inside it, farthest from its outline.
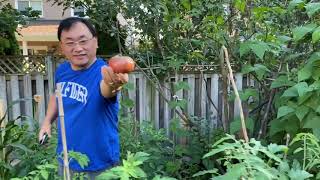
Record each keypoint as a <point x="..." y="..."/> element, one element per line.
<point x="97" y="42"/>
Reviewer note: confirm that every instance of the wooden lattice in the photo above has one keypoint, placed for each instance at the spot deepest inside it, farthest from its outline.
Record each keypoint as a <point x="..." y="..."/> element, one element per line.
<point x="22" y="64"/>
<point x="33" y="64"/>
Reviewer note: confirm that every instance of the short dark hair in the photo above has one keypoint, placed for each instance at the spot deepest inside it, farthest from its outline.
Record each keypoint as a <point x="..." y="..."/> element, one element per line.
<point x="67" y="23"/>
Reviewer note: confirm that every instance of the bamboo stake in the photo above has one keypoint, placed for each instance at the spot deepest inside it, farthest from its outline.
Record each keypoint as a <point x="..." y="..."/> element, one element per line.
<point x="243" y="123"/>
<point x="63" y="134"/>
<point x="3" y="125"/>
<point x="225" y="114"/>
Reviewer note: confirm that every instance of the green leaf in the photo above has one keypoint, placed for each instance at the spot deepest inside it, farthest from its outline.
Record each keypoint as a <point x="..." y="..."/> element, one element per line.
<point x="276" y="126"/>
<point x="284" y="39"/>
<point x="235" y="125"/>
<point x="259" y="48"/>
<point x="314" y="57"/>
<point x="281" y="81"/>
<point x="312" y="122"/>
<point x="181" y="85"/>
<point x="259" y="69"/>
<point x="244" y="48"/>
<point x="302" y="88"/>
<point x="158" y="177"/>
<point x="316" y="132"/>
<point x="275" y="148"/>
<point x="128" y="86"/>
<point x="247" y="68"/>
<point x="44" y="174"/>
<point x="294" y="3"/>
<point x="21" y="146"/>
<point x="316" y="35"/>
<point x="301" y="112"/>
<point x="291" y="92"/>
<point x="244" y="96"/>
<point x="312" y="8"/>
<point x="240" y="5"/>
<point x="141" y="156"/>
<point x="300" y="32"/>
<point x="178" y="103"/>
<point x="212" y="171"/>
<point x="298" y="174"/>
<point x="186" y="4"/>
<point x="284" y="110"/>
<point x="250" y="92"/>
<point x="129" y="103"/>
<point x="305" y="73"/>
<point x="82" y="159"/>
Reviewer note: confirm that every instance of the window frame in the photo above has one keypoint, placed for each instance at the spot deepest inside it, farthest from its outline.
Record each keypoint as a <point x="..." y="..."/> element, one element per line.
<point x="29" y="5"/>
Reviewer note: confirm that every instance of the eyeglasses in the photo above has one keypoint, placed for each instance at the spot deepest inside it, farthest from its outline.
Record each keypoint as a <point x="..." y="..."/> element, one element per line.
<point x="81" y="42"/>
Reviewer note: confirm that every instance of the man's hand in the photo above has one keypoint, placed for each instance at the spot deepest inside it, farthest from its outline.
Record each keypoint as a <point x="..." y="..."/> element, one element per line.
<point x="45" y="129"/>
<point x="112" y="81"/>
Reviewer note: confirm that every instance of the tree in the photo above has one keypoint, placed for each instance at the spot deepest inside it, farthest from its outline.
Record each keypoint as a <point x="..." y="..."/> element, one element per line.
<point x="10" y="18"/>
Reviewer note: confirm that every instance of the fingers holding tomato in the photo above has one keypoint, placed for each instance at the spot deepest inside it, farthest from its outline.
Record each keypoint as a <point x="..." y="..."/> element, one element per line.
<point x="114" y="80"/>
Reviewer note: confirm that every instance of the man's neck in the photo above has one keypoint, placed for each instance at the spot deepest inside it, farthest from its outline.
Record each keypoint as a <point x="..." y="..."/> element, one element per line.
<point x="87" y="66"/>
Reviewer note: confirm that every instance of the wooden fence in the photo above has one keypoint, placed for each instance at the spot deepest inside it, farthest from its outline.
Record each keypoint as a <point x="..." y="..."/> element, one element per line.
<point x="37" y="81"/>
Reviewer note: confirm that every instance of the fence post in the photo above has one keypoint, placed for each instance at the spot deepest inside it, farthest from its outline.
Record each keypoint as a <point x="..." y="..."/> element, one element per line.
<point x="28" y="103"/>
<point x="15" y="95"/>
<point x="40" y="92"/>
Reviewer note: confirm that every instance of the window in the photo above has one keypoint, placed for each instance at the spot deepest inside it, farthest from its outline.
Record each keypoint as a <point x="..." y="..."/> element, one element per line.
<point x="79" y="11"/>
<point x="23" y="5"/>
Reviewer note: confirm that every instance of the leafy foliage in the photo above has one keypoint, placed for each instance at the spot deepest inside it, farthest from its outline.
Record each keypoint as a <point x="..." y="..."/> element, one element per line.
<point x="9" y="20"/>
<point x="252" y="160"/>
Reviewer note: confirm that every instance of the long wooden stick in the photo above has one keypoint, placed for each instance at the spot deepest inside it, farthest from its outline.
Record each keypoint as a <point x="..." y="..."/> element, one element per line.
<point x="243" y="123"/>
<point x="225" y="114"/>
<point x="63" y="134"/>
<point x="3" y="125"/>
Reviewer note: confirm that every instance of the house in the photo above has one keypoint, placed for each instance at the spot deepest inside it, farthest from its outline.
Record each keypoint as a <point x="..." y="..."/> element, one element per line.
<point x="40" y="36"/>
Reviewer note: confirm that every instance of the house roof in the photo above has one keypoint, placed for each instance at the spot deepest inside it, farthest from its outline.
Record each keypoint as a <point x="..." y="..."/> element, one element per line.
<point x="37" y="33"/>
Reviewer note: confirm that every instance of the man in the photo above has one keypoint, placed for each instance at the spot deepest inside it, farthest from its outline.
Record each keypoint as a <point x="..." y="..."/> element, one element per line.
<point x="89" y="93"/>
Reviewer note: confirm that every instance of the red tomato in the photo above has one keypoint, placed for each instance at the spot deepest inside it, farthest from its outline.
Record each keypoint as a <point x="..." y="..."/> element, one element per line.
<point x="122" y="64"/>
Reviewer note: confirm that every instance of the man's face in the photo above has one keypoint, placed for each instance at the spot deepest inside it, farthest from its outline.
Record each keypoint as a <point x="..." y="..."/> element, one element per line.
<point x="79" y="46"/>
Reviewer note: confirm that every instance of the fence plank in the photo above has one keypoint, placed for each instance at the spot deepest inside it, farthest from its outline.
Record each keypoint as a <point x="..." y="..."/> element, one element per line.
<point x="156" y="108"/>
<point x="28" y="103"/>
<point x="142" y="98"/>
<point x="50" y="68"/>
<point x="3" y="93"/>
<point x="203" y="95"/>
<point x="40" y="92"/>
<point x="15" y="95"/>
<point x="191" y="94"/>
<point x="132" y="93"/>
<point x="167" y="110"/>
<point x="215" y="99"/>
<point x="179" y="94"/>
<point x="148" y="98"/>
